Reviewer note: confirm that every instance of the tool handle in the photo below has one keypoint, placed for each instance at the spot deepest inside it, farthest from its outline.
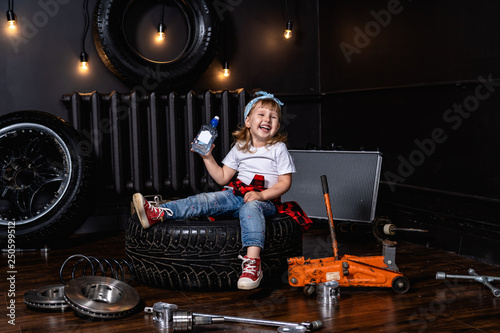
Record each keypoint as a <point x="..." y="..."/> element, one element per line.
<point x="326" y="195"/>
<point x="324" y="183"/>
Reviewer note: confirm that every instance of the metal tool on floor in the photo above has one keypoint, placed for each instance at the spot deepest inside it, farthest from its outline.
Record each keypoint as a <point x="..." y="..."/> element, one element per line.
<point x="101" y="297"/>
<point x="119" y="269"/>
<point x="349" y="271"/>
<point x="166" y="315"/>
<point x="473" y="276"/>
<point x="328" y="292"/>
<point x="47" y="298"/>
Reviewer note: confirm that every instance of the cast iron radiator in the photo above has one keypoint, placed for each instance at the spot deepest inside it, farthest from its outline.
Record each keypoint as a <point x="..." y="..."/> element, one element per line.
<point x="142" y="142"/>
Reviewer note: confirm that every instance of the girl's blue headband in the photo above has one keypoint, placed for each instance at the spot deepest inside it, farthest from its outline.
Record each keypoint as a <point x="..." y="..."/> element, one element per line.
<point x="260" y="95"/>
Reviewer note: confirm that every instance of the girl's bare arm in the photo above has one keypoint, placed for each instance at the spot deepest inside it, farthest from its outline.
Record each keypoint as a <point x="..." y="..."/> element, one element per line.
<point x="221" y="175"/>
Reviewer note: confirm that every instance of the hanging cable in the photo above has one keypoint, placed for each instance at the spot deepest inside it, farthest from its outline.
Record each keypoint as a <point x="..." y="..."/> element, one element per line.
<point x="86" y="16"/>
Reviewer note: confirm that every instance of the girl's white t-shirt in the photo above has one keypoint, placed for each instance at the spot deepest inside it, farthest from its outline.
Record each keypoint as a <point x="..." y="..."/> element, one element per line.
<point x="269" y="161"/>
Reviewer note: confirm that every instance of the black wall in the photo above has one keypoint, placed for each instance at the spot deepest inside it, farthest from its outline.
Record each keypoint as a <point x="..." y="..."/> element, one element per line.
<point x="419" y="81"/>
<point x="40" y="63"/>
<point x="416" y="79"/>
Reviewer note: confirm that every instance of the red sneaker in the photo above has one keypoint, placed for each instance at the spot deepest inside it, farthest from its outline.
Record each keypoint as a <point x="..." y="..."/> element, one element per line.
<point x="252" y="273"/>
<point x="147" y="213"/>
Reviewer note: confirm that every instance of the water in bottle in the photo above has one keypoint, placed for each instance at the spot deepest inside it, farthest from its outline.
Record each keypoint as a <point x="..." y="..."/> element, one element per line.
<point x="205" y="138"/>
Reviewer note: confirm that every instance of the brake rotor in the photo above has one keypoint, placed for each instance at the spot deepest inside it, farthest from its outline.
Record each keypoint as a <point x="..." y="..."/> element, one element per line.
<point x="48" y="297"/>
<point x="101" y="297"/>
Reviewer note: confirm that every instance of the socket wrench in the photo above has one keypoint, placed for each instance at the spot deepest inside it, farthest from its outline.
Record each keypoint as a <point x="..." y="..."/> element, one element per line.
<point x="168" y="315"/>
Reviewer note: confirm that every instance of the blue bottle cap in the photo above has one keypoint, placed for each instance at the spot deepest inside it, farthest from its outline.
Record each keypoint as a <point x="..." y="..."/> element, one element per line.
<point x="215" y="121"/>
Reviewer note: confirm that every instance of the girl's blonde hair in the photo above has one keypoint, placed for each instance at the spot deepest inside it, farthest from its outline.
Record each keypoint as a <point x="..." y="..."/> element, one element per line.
<point x="242" y="135"/>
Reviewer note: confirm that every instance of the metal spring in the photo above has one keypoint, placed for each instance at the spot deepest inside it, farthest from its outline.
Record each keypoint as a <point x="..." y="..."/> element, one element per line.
<point x="96" y="265"/>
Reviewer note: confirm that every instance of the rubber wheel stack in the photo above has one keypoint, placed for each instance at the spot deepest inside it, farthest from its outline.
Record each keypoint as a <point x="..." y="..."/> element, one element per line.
<point x="203" y="255"/>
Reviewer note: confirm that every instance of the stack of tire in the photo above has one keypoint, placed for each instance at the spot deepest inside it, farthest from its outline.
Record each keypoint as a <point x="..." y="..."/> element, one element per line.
<point x="203" y="255"/>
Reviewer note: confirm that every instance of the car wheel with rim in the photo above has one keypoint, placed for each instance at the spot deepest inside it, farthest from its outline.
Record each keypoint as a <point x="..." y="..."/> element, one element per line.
<point x="45" y="176"/>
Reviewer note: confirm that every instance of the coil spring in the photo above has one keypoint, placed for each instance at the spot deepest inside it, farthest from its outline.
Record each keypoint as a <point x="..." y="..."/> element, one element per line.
<point x="96" y="265"/>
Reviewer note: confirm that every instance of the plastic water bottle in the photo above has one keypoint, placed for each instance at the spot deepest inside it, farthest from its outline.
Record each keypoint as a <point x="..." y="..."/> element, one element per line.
<point x="205" y="138"/>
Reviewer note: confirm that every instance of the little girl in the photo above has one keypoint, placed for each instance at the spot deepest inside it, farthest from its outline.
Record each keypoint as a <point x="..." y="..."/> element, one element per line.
<point x="264" y="167"/>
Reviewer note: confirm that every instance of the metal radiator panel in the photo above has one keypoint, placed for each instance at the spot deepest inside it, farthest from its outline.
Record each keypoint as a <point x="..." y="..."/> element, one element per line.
<point x="353" y="179"/>
<point x="142" y="142"/>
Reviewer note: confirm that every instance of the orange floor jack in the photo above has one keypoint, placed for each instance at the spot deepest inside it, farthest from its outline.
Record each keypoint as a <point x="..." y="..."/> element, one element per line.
<point x="349" y="271"/>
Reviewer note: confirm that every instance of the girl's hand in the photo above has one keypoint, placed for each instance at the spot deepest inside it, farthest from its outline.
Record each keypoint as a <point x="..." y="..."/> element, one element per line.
<point x="253" y="195"/>
<point x="208" y="155"/>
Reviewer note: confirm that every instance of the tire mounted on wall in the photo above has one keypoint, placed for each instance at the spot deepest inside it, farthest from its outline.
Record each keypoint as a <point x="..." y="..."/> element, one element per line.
<point x="203" y="255"/>
<point x="45" y="176"/>
<point x="138" y="71"/>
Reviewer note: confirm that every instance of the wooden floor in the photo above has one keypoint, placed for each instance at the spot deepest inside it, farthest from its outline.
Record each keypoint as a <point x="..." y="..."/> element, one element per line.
<point x="429" y="306"/>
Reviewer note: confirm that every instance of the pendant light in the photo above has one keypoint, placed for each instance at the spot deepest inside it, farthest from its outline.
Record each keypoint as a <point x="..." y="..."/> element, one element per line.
<point x="161" y="25"/>
<point x="11" y="16"/>
<point x="226" y="69"/>
<point x="288" y="29"/>
<point x="84" y="58"/>
<point x="289" y="24"/>
<point x="161" y="32"/>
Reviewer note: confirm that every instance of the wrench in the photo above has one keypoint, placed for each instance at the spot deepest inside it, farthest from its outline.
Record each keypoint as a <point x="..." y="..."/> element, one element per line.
<point x="167" y="315"/>
<point x="473" y="276"/>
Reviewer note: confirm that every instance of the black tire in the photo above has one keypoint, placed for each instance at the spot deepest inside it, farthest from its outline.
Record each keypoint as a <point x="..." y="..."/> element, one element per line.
<point x="136" y="70"/>
<point x="44" y="179"/>
<point x="199" y="255"/>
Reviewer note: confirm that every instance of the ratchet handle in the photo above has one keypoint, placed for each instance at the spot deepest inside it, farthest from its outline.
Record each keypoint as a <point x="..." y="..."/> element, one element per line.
<point x="324" y="183"/>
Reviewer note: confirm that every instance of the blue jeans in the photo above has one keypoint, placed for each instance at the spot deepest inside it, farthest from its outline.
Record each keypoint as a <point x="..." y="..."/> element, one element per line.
<point x="251" y="214"/>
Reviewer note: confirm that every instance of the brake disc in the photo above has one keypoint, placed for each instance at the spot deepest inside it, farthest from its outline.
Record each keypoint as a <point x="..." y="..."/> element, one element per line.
<point x="101" y="297"/>
<point x="48" y="297"/>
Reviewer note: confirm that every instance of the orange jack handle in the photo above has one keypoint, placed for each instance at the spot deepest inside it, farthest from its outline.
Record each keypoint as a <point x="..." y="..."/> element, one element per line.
<point x="326" y="195"/>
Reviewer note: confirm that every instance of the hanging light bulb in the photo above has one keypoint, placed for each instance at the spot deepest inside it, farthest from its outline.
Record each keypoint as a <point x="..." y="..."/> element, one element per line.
<point x="84" y="58"/>
<point x="11" y="17"/>
<point x="226" y="69"/>
<point x="161" y="25"/>
<point x="161" y="32"/>
<point x="288" y="29"/>
<point x="84" y="61"/>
